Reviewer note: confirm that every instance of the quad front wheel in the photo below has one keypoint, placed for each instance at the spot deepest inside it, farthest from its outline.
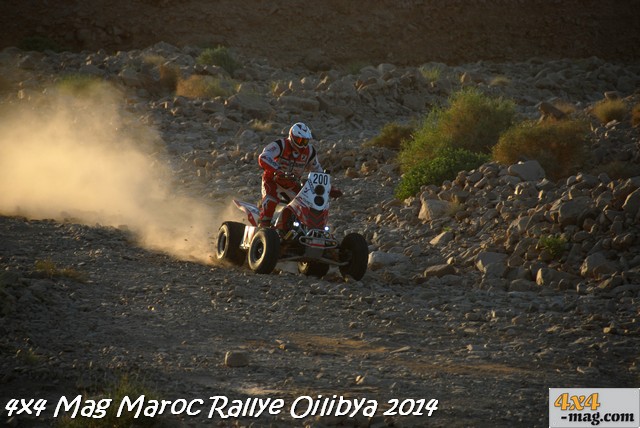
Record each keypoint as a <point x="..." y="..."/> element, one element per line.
<point x="355" y="252"/>
<point x="228" y="244"/>
<point x="264" y="251"/>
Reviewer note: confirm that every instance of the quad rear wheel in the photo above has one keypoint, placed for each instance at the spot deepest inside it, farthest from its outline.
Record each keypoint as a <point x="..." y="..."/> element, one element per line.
<point x="355" y="251"/>
<point x="228" y="243"/>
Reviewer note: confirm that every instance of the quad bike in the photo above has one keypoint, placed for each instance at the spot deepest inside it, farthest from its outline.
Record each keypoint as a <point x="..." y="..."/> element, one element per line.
<point x="298" y="233"/>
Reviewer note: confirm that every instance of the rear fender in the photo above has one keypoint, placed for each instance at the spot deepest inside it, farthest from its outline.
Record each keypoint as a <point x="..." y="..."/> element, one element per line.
<point x="252" y="211"/>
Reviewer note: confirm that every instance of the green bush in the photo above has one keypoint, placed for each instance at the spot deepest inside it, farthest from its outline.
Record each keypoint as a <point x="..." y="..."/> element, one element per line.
<point x="445" y="165"/>
<point x="392" y="136"/>
<point x="431" y="74"/>
<point x="473" y="121"/>
<point x="220" y="56"/>
<point x="554" y="245"/>
<point x="557" y="145"/>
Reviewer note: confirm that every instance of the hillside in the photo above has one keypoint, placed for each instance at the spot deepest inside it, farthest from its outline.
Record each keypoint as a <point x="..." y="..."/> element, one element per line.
<point x="400" y="32"/>
<point x="117" y="167"/>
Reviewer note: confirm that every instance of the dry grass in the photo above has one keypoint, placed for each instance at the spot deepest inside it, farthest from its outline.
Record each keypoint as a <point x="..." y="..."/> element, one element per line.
<point x="608" y="110"/>
<point x="49" y="269"/>
<point x="617" y="170"/>
<point x="29" y="357"/>
<point x="78" y="84"/>
<point x="169" y="76"/>
<point x="261" y="126"/>
<point x="557" y="145"/>
<point x="566" y="107"/>
<point x="124" y="387"/>
<point x="392" y="136"/>
<point x="635" y="115"/>
<point x="198" y="86"/>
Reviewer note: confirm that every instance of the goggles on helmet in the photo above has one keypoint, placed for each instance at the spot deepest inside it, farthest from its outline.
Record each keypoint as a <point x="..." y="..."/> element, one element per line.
<point x="300" y="141"/>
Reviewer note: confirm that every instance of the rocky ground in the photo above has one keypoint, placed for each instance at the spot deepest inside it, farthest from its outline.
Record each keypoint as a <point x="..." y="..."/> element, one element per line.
<point x="461" y="303"/>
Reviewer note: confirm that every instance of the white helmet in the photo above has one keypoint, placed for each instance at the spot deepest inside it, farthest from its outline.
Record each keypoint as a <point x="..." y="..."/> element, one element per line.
<point x="300" y="134"/>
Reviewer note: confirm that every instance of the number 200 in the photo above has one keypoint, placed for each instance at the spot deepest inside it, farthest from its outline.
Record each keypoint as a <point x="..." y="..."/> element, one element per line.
<point x="411" y="407"/>
<point x="320" y="179"/>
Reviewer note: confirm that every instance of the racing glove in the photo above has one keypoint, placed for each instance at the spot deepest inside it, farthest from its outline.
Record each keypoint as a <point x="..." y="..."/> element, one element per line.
<point x="285" y="180"/>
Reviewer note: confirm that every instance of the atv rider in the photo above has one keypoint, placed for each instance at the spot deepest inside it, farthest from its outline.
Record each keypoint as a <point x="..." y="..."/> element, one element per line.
<point x="284" y="161"/>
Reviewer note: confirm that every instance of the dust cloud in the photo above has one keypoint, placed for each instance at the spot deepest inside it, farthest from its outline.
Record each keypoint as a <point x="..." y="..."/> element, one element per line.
<point x="78" y="154"/>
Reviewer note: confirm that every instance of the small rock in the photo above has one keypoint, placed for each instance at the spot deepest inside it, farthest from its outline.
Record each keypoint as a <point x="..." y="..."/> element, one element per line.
<point x="439" y="271"/>
<point x="236" y="359"/>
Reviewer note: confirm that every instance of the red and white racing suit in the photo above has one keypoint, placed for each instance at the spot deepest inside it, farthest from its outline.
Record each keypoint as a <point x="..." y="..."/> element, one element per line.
<point x="282" y="156"/>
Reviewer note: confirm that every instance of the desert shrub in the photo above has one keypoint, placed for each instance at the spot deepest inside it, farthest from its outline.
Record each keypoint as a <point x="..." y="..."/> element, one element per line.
<point x="220" y="56"/>
<point x="617" y="170"/>
<point x="78" y="83"/>
<point x="198" y="86"/>
<point x="554" y="245"/>
<point x="473" y="121"/>
<point x="556" y="145"/>
<point x="29" y="357"/>
<point x="565" y="107"/>
<point x="169" y="76"/>
<point x="431" y="74"/>
<point x="608" y="110"/>
<point x="391" y="136"/>
<point x="126" y="386"/>
<point x="444" y="166"/>
<point x="635" y="115"/>
<point x="50" y="270"/>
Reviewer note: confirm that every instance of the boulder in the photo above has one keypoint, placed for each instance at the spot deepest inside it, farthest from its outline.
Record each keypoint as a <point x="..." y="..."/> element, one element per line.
<point x="486" y="258"/>
<point x="439" y="271"/>
<point x="432" y="209"/>
<point x="527" y="171"/>
<point x="236" y="359"/>
<point x="254" y="106"/>
<point x="380" y="259"/>
<point x="631" y="205"/>
<point x="442" y="239"/>
<point x="299" y="103"/>
<point x="597" y="265"/>
<point x="571" y="211"/>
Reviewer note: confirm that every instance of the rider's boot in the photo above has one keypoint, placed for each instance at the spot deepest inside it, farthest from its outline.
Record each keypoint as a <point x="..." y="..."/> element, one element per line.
<point x="264" y="222"/>
<point x="267" y="208"/>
